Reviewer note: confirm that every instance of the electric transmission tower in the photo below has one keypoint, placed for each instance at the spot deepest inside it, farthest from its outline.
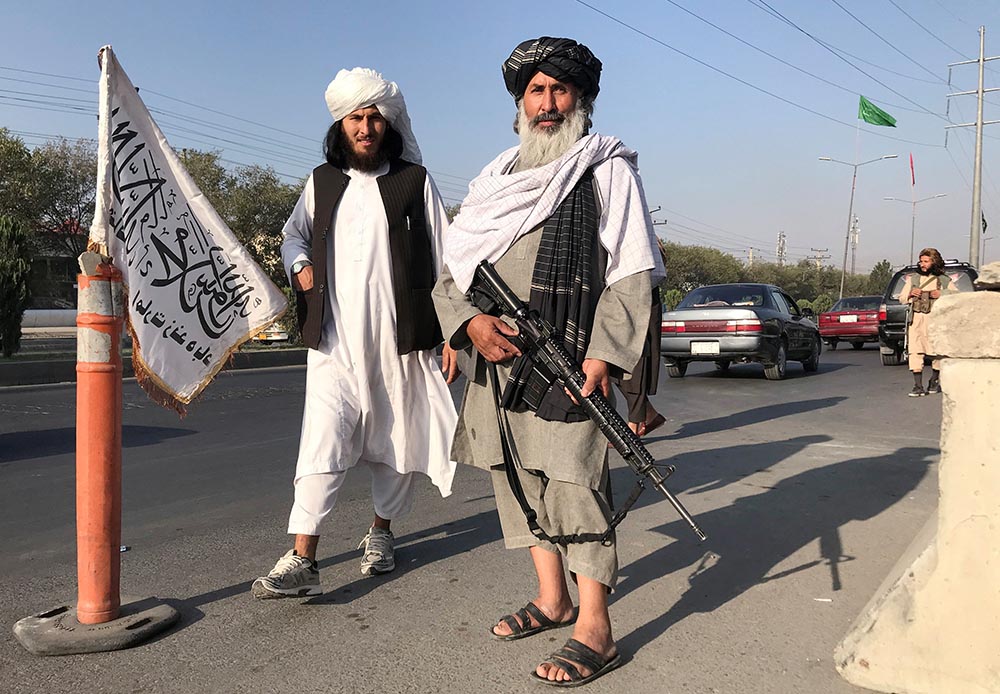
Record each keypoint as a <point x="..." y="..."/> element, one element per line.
<point x="782" y="249"/>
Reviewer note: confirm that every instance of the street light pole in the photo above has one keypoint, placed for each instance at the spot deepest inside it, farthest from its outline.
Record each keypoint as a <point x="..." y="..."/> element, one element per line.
<point x="913" y="217"/>
<point x="850" y="208"/>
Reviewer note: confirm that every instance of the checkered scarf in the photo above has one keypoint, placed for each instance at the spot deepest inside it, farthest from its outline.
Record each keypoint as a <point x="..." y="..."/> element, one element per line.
<point x="565" y="286"/>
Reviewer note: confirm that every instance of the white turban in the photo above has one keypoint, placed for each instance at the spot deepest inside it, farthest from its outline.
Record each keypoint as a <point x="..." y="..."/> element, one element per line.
<point x="363" y="87"/>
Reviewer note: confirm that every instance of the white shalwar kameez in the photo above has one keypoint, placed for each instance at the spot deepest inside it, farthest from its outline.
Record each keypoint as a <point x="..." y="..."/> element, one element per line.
<point x="365" y="403"/>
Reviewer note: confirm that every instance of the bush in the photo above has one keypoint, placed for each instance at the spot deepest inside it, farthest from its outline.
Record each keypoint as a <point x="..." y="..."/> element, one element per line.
<point x="15" y="271"/>
<point x="822" y="303"/>
<point x="672" y="297"/>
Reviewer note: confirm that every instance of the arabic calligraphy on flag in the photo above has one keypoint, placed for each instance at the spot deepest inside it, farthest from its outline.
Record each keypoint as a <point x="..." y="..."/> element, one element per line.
<point x="194" y="293"/>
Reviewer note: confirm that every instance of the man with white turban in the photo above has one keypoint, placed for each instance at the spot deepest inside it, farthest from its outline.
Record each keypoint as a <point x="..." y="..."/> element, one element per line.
<point x="563" y="218"/>
<point x="362" y="249"/>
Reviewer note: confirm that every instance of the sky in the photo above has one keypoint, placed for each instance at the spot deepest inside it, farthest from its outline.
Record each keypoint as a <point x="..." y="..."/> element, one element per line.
<point x="729" y="138"/>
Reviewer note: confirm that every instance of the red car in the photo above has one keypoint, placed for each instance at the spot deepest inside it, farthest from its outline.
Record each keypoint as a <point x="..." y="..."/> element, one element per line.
<point x="852" y="319"/>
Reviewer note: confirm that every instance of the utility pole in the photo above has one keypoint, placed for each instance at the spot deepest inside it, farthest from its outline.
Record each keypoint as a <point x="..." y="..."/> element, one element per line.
<point x="781" y="252"/>
<point x="977" y="174"/>
<point x="820" y="254"/>
<point x="855" y="234"/>
<point x="750" y="255"/>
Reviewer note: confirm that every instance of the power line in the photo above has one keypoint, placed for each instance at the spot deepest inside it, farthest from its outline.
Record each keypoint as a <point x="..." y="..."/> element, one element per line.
<point x="886" y="41"/>
<point x="761" y="4"/>
<point x="777" y="58"/>
<point x="935" y="36"/>
<point x="754" y="86"/>
<point x="744" y="237"/>
<point x="767" y="9"/>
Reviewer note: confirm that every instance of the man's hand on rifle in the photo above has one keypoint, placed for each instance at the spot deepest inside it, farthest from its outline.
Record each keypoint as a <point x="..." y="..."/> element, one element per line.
<point x="597" y="378"/>
<point x="916" y="292"/>
<point x="489" y="336"/>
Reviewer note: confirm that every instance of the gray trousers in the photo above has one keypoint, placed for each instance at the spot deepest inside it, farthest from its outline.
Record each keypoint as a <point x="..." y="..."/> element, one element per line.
<point x="563" y="508"/>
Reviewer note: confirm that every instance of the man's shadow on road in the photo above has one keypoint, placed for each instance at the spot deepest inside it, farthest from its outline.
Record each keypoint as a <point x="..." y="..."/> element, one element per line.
<point x="23" y="445"/>
<point x="751" y="536"/>
<point x="754" y="415"/>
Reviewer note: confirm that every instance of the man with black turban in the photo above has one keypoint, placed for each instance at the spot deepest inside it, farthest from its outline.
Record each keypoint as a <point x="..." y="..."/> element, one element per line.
<point x="563" y="218"/>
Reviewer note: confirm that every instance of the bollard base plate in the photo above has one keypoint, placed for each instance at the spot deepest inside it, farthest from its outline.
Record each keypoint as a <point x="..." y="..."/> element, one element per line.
<point x="58" y="632"/>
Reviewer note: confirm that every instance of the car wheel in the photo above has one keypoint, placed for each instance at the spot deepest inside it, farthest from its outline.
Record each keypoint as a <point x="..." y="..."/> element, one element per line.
<point x="894" y="358"/>
<point x="723" y="365"/>
<point x="833" y="345"/>
<point x="677" y="370"/>
<point x="858" y="345"/>
<point x="811" y="365"/>
<point x="777" y="370"/>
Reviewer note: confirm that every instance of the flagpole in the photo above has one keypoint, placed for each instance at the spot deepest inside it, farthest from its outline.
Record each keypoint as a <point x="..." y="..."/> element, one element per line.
<point x="850" y="208"/>
<point x="913" y="207"/>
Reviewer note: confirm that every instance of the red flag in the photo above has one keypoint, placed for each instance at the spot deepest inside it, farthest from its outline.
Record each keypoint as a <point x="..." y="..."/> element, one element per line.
<point x="913" y="176"/>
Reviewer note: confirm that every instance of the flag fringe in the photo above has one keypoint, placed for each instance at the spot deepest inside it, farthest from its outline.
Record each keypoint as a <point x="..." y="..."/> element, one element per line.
<point x="157" y="390"/>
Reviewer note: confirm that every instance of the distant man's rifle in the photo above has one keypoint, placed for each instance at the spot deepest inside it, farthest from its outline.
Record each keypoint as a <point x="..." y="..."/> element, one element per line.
<point x="543" y="345"/>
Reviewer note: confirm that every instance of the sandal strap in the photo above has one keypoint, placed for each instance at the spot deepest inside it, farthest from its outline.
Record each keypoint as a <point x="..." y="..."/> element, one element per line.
<point x="567" y="665"/>
<point x="575" y="652"/>
<point x="532" y="609"/>
<point x="512" y="623"/>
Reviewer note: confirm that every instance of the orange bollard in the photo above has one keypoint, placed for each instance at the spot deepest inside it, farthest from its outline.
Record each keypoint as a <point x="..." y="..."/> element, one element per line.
<point x="101" y="620"/>
<point x="98" y="445"/>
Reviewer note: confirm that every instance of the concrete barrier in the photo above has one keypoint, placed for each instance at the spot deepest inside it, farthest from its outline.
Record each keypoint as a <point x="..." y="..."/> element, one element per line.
<point x="49" y="318"/>
<point x="934" y="625"/>
<point x="41" y="371"/>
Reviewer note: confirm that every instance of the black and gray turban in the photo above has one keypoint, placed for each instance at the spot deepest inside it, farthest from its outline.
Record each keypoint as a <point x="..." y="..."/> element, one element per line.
<point x="561" y="59"/>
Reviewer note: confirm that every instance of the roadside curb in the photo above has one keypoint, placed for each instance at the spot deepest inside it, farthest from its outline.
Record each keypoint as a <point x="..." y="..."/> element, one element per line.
<point x="43" y="371"/>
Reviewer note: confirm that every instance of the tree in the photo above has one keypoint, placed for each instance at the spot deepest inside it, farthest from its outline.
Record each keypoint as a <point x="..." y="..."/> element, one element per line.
<point x="253" y="202"/>
<point x="879" y="278"/>
<point x="15" y="271"/>
<point x="65" y="188"/>
<point x="689" y="267"/>
<point x="452" y="211"/>
<point x="16" y="178"/>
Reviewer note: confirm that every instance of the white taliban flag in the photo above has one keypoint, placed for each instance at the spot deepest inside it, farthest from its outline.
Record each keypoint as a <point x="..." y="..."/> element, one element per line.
<point x="194" y="293"/>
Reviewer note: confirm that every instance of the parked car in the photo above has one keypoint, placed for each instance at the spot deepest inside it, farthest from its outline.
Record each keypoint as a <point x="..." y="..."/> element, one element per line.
<point x="892" y="314"/>
<point x="852" y="319"/>
<point x="741" y="323"/>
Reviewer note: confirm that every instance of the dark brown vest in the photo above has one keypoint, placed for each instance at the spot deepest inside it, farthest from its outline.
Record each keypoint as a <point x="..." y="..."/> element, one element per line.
<point x="413" y="276"/>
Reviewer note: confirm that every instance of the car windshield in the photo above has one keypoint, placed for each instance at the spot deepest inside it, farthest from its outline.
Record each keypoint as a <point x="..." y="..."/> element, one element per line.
<point x="858" y="303"/>
<point x="724" y="295"/>
<point x="959" y="279"/>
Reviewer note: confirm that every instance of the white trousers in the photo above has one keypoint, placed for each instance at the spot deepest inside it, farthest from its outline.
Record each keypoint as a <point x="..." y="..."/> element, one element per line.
<point x="316" y="495"/>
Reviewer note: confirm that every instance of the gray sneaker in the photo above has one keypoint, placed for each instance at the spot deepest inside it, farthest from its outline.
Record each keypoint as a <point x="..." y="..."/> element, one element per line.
<point x="292" y="577"/>
<point x="379" y="557"/>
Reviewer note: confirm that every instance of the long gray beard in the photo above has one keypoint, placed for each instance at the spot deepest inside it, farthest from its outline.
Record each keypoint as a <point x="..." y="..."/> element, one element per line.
<point x="540" y="146"/>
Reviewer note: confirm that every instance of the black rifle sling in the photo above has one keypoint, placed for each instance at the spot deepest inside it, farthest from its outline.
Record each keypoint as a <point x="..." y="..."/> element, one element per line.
<point x="510" y="468"/>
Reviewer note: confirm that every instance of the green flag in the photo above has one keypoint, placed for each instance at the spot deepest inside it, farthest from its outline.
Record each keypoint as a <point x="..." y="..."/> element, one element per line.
<point x="870" y="113"/>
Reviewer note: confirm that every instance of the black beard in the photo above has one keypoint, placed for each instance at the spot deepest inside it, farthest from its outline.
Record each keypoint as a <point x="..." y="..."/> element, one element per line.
<point x="361" y="162"/>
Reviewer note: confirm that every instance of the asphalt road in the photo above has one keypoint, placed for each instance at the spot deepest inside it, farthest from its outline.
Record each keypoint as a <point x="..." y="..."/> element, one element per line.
<point x="809" y="489"/>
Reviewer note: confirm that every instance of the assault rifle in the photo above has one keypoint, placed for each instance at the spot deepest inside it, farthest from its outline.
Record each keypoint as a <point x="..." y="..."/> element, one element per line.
<point x="542" y="344"/>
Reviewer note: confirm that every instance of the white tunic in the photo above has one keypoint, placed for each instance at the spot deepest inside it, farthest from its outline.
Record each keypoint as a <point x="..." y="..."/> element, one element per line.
<point x="364" y="401"/>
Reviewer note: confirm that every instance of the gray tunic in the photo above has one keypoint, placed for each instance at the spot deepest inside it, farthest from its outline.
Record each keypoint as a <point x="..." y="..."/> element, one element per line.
<point x="567" y="451"/>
